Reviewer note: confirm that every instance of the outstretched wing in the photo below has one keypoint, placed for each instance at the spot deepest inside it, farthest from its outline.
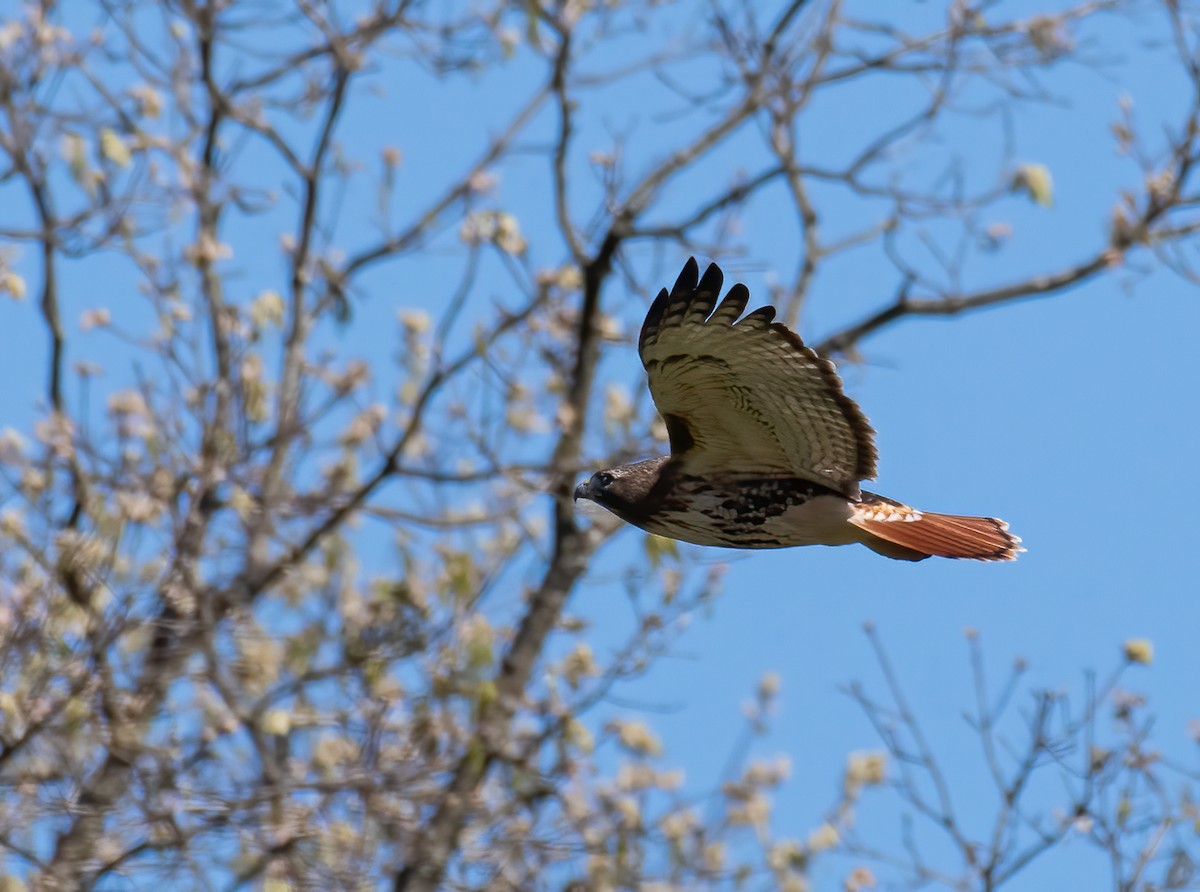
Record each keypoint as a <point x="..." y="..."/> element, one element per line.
<point x="746" y="395"/>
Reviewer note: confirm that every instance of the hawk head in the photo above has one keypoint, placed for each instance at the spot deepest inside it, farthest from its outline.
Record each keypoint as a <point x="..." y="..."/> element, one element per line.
<point x="621" y="489"/>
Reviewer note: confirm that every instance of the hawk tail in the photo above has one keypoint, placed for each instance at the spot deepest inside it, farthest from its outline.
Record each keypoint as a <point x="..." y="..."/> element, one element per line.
<point x="900" y="532"/>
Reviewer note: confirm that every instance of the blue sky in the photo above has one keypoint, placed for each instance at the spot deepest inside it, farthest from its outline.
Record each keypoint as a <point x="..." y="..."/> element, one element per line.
<point x="1074" y="417"/>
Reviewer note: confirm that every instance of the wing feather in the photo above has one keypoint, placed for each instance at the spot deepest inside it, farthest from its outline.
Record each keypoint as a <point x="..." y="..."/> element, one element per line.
<point x="732" y="306"/>
<point x="699" y="304"/>
<point x="748" y="396"/>
<point x="760" y="319"/>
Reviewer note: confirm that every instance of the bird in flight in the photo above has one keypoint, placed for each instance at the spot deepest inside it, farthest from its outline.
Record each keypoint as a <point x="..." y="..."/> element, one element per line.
<point x="767" y="451"/>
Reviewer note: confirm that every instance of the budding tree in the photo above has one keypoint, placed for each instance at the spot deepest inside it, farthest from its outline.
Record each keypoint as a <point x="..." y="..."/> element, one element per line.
<point x="314" y="302"/>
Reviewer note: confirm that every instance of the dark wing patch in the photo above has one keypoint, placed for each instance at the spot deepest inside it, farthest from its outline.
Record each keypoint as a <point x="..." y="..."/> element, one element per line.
<point x="681" y="438"/>
<point x="749" y="394"/>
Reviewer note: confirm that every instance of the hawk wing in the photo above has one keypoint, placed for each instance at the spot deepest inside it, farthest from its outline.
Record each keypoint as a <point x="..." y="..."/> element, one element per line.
<point x="747" y="395"/>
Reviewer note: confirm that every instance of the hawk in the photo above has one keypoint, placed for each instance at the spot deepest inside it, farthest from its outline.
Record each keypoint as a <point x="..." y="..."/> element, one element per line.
<point x="767" y="451"/>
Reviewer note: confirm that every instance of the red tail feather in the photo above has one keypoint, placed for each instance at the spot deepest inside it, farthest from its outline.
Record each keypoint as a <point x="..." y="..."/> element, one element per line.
<point x="898" y="531"/>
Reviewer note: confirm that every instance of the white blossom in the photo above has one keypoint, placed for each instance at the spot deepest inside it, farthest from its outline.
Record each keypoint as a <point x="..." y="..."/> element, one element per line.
<point x="12" y="447"/>
<point x="99" y="317"/>
<point x="267" y="309"/>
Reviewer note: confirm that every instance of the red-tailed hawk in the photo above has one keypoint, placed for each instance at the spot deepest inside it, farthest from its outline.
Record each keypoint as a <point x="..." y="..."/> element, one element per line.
<point x="766" y="449"/>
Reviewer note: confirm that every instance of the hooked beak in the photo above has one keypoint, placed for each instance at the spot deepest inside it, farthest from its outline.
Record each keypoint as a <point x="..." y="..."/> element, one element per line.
<point x="582" y="491"/>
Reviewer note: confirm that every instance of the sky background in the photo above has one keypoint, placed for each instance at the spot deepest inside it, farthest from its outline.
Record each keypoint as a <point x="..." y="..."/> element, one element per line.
<point x="1074" y="417"/>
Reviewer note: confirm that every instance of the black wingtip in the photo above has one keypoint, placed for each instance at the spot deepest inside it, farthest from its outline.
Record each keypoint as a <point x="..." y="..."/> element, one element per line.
<point x="653" y="317"/>
<point x="688" y="277"/>
<point x="712" y="281"/>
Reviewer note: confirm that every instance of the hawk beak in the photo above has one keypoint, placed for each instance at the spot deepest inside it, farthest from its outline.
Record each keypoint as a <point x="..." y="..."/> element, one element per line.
<point x="581" y="491"/>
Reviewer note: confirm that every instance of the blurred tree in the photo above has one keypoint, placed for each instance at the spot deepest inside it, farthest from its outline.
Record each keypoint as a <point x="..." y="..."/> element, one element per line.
<point x="277" y="612"/>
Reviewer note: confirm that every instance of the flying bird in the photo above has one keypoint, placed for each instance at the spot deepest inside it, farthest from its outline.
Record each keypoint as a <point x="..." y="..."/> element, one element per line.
<point x="767" y="451"/>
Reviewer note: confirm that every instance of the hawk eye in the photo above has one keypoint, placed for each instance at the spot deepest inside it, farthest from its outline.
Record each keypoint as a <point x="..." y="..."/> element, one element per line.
<point x="604" y="478"/>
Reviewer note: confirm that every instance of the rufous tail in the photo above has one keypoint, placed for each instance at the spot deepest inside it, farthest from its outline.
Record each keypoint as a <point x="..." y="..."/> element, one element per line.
<point x="898" y="531"/>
